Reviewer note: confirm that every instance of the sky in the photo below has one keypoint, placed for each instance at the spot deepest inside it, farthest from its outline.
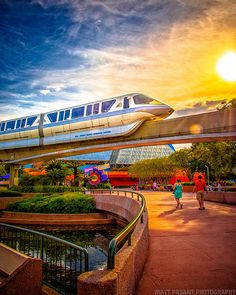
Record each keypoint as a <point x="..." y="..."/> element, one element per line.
<point x="60" y="53"/>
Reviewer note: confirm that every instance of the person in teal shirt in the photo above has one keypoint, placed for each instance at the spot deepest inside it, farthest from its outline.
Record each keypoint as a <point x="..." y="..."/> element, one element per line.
<point x="178" y="191"/>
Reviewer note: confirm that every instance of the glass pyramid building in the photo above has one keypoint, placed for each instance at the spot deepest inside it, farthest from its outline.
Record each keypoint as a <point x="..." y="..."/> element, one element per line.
<point x="127" y="156"/>
<point x="132" y="155"/>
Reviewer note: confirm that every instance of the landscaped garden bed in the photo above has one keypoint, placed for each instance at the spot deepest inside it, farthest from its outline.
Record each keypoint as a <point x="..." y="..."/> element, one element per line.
<point x="67" y="203"/>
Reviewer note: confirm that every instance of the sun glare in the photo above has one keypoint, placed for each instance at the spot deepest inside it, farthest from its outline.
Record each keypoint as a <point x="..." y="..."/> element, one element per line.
<point x="226" y="66"/>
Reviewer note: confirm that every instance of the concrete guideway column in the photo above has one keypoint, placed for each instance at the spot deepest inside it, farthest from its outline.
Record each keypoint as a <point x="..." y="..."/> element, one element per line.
<point x="14" y="174"/>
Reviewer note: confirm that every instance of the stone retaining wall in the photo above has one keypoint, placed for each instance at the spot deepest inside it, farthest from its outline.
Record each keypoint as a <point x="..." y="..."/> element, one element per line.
<point x="22" y="274"/>
<point x="222" y="197"/>
<point x="130" y="260"/>
<point x="5" y="201"/>
<point x="56" y="219"/>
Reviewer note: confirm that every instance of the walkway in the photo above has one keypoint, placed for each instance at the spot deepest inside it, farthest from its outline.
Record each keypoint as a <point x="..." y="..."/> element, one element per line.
<point x="189" y="249"/>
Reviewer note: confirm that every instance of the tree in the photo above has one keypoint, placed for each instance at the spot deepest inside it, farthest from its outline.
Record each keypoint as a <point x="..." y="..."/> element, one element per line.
<point x="78" y="174"/>
<point x="56" y="171"/>
<point x="162" y="169"/>
<point x="183" y="160"/>
<point x="220" y="157"/>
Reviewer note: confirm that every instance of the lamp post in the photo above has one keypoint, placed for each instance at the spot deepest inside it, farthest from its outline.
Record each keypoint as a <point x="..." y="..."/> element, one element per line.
<point x="208" y="180"/>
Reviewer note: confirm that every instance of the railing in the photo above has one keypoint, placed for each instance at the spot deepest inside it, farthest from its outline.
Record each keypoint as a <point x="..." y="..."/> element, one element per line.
<point x="62" y="260"/>
<point x="126" y="233"/>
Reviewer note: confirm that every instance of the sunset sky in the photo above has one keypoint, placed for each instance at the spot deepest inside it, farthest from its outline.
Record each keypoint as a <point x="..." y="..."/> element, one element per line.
<point x="60" y="53"/>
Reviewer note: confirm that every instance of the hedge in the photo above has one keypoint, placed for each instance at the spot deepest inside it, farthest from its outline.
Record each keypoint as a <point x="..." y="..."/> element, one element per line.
<point x="99" y="186"/>
<point x="69" y="203"/>
<point x="46" y="189"/>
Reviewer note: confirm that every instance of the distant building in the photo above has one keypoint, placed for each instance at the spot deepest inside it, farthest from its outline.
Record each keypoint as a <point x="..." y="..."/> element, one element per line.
<point x="92" y="157"/>
<point x="133" y="155"/>
<point x="126" y="156"/>
<point x="117" y="158"/>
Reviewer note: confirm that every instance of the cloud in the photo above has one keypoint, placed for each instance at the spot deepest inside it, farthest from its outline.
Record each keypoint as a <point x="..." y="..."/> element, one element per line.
<point x="87" y="50"/>
<point x="197" y="108"/>
<point x="45" y="91"/>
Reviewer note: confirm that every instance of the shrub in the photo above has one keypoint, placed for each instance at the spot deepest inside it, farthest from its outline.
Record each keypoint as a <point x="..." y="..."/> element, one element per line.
<point x="46" y="189"/>
<point x="230" y="183"/>
<point x="57" y="203"/>
<point x="188" y="183"/>
<point x="8" y="194"/>
<point x="3" y="186"/>
<point x="99" y="186"/>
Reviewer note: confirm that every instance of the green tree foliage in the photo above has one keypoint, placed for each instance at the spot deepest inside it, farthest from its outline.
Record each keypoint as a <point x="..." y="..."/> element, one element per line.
<point x="183" y="160"/>
<point x="220" y="157"/>
<point x="78" y="174"/>
<point x="56" y="171"/>
<point x="27" y="180"/>
<point x="162" y="169"/>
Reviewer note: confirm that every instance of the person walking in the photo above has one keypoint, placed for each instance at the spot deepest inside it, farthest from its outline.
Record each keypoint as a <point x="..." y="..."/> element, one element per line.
<point x="219" y="186"/>
<point x="199" y="189"/>
<point x="178" y="190"/>
<point x="154" y="185"/>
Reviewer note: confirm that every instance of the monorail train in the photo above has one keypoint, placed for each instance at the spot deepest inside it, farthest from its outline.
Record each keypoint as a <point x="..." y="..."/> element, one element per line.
<point x="118" y="116"/>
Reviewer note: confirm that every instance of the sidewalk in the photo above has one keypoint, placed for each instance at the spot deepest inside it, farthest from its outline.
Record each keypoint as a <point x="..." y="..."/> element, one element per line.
<point x="189" y="249"/>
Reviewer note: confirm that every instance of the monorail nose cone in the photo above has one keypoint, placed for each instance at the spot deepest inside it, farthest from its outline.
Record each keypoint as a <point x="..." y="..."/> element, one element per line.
<point x="163" y="112"/>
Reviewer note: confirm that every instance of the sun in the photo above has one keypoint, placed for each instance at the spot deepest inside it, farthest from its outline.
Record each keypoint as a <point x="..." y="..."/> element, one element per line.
<point x="226" y="66"/>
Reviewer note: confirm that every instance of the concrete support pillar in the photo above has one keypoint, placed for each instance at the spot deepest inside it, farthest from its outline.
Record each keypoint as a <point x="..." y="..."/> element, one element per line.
<point x="14" y="174"/>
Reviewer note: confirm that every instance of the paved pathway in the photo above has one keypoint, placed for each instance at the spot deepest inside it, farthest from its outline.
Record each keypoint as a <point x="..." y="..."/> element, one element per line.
<point x="189" y="249"/>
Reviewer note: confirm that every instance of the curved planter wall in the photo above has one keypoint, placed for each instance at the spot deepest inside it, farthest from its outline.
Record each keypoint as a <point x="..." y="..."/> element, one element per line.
<point x="130" y="260"/>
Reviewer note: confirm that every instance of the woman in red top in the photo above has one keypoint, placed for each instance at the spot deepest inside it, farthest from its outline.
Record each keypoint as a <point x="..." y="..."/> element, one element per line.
<point x="199" y="189"/>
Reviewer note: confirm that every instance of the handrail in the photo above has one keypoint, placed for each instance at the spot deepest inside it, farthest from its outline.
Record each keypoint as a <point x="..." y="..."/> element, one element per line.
<point x="62" y="261"/>
<point x="125" y="232"/>
<point x="46" y="236"/>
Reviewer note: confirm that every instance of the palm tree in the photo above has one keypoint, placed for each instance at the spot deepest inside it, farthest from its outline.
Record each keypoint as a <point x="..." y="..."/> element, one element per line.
<point x="78" y="174"/>
<point x="56" y="171"/>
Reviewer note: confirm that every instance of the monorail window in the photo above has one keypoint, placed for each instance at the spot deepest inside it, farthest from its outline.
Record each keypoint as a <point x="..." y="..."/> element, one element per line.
<point x="23" y="123"/>
<point x="30" y="121"/>
<point x="126" y="103"/>
<point x="77" y="112"/>
<point x="61" y="116"/>
<point x="52" y="117"/>
<point x="142" y="99"/>
<point x="89" y="110"/>
<point x="18" y="124"/>
<point x="67" y="115"/>
<point x="3" y="126"/>
<point x="10" y="125"/>
<point x="106" y="105"/>
<point x="96" y="108"/>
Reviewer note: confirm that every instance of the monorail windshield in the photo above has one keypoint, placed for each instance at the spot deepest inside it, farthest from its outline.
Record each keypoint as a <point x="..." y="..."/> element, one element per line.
<point x="142" y="99"/>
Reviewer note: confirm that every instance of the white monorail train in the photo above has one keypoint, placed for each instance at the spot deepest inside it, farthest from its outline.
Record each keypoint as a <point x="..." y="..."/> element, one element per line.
<point x="118" y="116"/>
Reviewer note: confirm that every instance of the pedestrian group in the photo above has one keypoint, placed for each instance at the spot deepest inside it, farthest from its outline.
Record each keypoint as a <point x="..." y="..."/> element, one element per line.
<point x="199" y="189"/>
